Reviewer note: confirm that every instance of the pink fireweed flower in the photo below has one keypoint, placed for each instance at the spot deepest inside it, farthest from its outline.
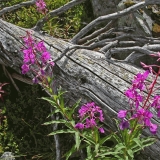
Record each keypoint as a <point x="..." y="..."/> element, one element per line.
<point x="101" y="130"/>
<point x="41" y="6"/>
<point x="40" y="47"/>
<point x="124" y="125"/>
<point x="122" y="113"/>
<point x="85" y="109"/>
<point x="25" y="68"/>
<point x="91" y="109"/>
<point x="35" y="80"/>
<point x="90" y="114"/>
<point x="138" y="82"/>
<point x="28" y="40"/>
<point x="90" y="123"/>
<point x="133" y="95"/>
<point x="79" y="126"/>
<point x="51" y="63"/>
<point x="136" y="98"/>
<point x="153" y="128"/>
<point x="29" y="56"/>
<point x="156" y="102"/>
<point x="143" y="116"/>
<point x="45" y="57"/>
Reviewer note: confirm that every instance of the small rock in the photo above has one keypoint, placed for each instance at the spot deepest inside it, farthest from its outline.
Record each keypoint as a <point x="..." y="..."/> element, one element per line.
<point x="7" y="156"/>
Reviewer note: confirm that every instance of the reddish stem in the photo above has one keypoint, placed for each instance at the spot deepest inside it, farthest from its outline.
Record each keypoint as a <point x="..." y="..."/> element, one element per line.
<point x="151" y="90"/>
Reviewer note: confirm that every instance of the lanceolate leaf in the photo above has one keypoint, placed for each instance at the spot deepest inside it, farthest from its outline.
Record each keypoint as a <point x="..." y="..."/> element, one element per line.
<point x="55" y="121"/>
<point x="53" y="112"/>
<point x="51" y="101"/>
<point x="115" y="136"/>
<point x="138" y="142"/>
<point x="148" y="141"/>
<point x="109" y="154"/>
<point x="103" y="140"/>
<point x="75" y="106"/>
<point x="61" y="131"/>
<point x="77" y="139"/>
<point x="119" y="147"/>
<point x="130" y="153"/>
<point x="70" y="152"/>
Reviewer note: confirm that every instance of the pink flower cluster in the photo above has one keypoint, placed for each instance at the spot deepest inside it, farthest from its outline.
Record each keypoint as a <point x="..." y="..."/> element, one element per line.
<point x="30" y="56"/>
<point x="41" y="6"/>
<point x="140" y="106"/>
<point x="89" y="115"/>
<point x="134" y="93"/>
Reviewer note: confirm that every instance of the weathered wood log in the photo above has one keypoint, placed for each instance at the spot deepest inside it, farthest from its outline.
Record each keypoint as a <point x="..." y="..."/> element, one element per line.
<point x="84" y="73"/>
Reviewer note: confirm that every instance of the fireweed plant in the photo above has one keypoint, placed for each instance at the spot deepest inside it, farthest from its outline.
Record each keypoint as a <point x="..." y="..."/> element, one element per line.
<point x="87" y="131"/>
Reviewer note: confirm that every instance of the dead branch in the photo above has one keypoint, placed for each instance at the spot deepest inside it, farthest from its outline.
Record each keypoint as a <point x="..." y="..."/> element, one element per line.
<point x="133" y="57"/>
<point x="152" y="2"/>
<point x="143" y="50"/>
<point x="17" y="6"/>
<point x="101" y="36"/>
<point x="96" y="33"/>
<point x="108" y="46"/>
<point x="101" y="19"/>
<point x="7" y="74"/>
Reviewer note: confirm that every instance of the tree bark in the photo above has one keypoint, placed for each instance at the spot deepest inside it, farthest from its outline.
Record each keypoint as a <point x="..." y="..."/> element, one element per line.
<point x="84" y="73"/>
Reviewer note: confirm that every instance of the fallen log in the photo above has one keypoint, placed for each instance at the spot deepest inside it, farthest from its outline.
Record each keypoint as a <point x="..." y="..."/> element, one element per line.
<point x="83" y="73"/>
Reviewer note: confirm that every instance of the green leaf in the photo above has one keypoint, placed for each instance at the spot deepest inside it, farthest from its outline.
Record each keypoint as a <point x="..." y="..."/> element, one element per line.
<point x="75" y="106"/>
<point x="148" y="141"/>
<point x="70" y="124"/>
<point x="106" y="138"/>
<point x="70" y="111"/>
<point x="125" y="136"/>
<point x="60" y="93"/>
<point x="61" y="131"/>
<point x="97" y="148"/>
<point x="116" y="137"/>
<point x="89" y="153"/>
<point x="88" y="139"/>
<point x="109" y="153"/>
<point x="105" y="149"/>
<point x="53" y="112"/>
<point x="119" y="147"/>
<point x="138" y="142"/>
<point x="89" y="142"/>
<point x="96" y="135"/>
<point x="145" y="142"/>
<point x="51" y="101"/>
<point x="130" y="153"/>
<point x="70" y="152"/>
<point x="77" y="139"/>
<point x="60" y="98"/>
<point x="55" y="122"/>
